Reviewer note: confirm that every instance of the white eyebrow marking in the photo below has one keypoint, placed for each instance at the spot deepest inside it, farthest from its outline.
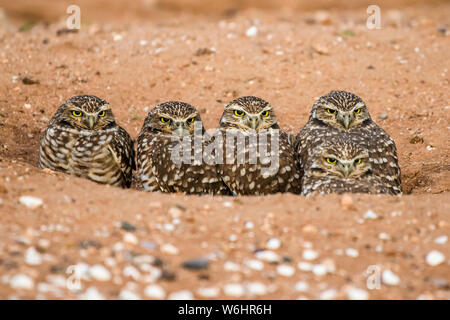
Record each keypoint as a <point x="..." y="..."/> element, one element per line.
<point x="358" y="105"/>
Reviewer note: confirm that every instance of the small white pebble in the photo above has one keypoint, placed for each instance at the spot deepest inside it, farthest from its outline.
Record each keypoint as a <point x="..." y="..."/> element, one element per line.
<point x="32" y="257"/>
<point x="231" y="266"/>
<point x="227" y="204"/>
<point x="130" y="238"/>
<point x="169" y="249"/>
<point x="234" y="290"/>
<point x="351" y="252"/>
<point x="251" y="32"/>
<point x="255" y="264"/>
<point x="390" y="278"/>
<point x="256" y="288"/>
<point x="249" y="225"/>
<point x="305" y="266"/>
<point x="319" y="269"/>
<point x="31" y="202"/>
<point x="181" y="295"/>
<point x="370" y="215"/>
<point x="99" y="272"/>
<point x="435" y="258"/>
<point x="328" y="294"/>
<point x="268" y="256"/>
<point x="92" y="294"/>
<point x="208" y="292"/>
<point x="128" y="295"/>
<point x="357" y="294"/>
<point x="384" y="236"/>
<point x="154" y="291"/>
<point x="21" y="281"/>
<point x="130" y="271"/>
<point x="310" y="254"/>
<point x="285" y="270"/>
<point x="273" y="244"/>
<point x="301" y="286"/>
<point x="441" y="239"/>
<point x="233" y="238"/>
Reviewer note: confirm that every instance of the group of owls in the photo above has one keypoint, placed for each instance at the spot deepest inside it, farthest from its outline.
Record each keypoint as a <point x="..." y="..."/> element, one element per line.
<point x="340" y="149"/>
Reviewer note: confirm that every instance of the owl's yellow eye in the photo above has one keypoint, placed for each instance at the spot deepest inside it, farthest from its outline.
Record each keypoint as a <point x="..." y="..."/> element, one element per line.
<point x="102" y="113"/>
<point x="164" y="120"/>
<point x="331" y="160"/>
<point x="191" y="120"/>
<point x="77" y="113"/>
<point x="358" y="161"/>
<point x="356" y="111"/>
<point x="239" y="113"/>
<point x="265" y="113"/>
<point x="332" y="111"/>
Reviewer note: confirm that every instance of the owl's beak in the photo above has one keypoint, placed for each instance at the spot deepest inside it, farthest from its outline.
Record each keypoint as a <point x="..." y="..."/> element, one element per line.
<point x="254" y="122"/>
<point x="90" y="122"/>
<point x="346" y="121"/>
<point x="179" y="130"/>
<point x="346" y="169"/>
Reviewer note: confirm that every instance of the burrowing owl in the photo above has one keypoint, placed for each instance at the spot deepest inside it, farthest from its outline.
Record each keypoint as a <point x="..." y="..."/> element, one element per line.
<point x="345" y="114"/>
<point x="168" y="157"/>
<point x="259" y="158"/>
<point x="84" y="140"/>
<point x="339" y="165"/>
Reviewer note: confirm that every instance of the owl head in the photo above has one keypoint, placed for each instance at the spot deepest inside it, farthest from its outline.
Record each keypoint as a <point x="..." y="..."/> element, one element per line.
<point x="340" y="109"/>
<point x="85" y="112"/>
<point x="249" y="113"/>
<point x="173" y="117"/>
<point x="339" y="157"/>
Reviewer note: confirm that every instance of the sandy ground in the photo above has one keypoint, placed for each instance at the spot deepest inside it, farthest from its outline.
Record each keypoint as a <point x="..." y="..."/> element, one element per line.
<point x="323" y="246"/>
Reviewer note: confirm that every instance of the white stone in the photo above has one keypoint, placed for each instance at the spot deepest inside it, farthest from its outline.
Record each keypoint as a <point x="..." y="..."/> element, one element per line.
<point x="92" y="294"/>
<point x="319" y="269"/>
<point x="384" y="236"/>
<point x="370" y="215"/>
<point x="305" y="266"/>
<point x="208" y="292"/>
<point x="169" y="249"/>
<point x="310" y="254"/>
<point x="126" y="294"/>
<point x="351" y="252"/>
<point x="252" y="31"/>
<point x="154" y="291"/>
<point x="130" y="271"/>
<point x="21" y="281"/>
<point x="231" y="266"/>
<point x="249" y="225"/>
<point x="32" y="257"/>
<point x="99" y="272"/>
<point x="328" y="294"/>
<point x="256" y="288"/>
<point x="285" y="270"/>
<point x="268" y="256"/>
<point x="435" y="258"/>
<point x="301" y="286"/>
<point x="273" y="244"/>
<point x="31" y="202"/>
<point x="441" y="239"/>
<point x="130" y="238"/>
<point x="254" y="264"/>
<point x="234" y="290"/>
<point x="181" y="295"/>
<point x="357" y="294"/>
<point x="390" y="278"/>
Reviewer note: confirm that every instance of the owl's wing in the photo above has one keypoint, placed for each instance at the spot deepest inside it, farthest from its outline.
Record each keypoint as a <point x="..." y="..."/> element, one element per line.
<point x="383" y="157"/>
<point x="122" y="150"/>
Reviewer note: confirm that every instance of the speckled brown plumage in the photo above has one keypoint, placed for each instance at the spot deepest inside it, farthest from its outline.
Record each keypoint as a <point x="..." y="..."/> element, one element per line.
<point x="345" y="115"/>
<point x="84" y="140"/>
<point x="157" y="169"/>
<point x="245" y="121"/>
<point x="340" y="165"/>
